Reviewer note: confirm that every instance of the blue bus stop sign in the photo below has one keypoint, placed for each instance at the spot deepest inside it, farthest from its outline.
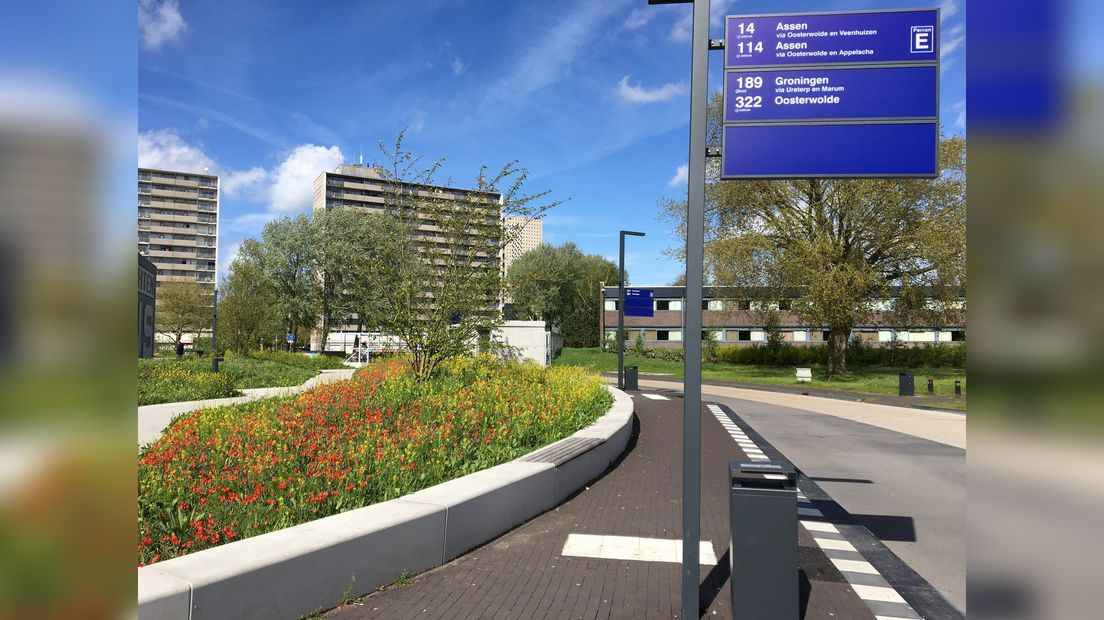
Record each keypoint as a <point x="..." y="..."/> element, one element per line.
<point x="638" y="302"/>
<point x="835" y="95"/>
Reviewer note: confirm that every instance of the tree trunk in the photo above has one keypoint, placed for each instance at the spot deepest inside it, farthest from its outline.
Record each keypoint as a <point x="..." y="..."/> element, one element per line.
<point x="837" y="349"/>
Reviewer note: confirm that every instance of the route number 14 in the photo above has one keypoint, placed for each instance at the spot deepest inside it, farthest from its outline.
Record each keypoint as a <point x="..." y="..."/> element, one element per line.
<point x="746" y="28"/>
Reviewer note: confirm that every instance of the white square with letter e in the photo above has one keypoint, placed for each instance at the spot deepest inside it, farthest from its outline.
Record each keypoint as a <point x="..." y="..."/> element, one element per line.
<point x="923" y="39"/>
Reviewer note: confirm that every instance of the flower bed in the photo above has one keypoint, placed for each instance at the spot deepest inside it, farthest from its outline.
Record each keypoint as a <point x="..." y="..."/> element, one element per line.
<point x="217" y="475"/>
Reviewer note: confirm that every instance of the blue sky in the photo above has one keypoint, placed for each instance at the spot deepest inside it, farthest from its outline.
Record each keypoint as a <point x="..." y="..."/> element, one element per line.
<point x="590" y="96"/>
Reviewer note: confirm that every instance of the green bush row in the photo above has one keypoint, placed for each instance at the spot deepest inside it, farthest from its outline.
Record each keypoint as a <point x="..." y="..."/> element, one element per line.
<point x="858" y="354"/>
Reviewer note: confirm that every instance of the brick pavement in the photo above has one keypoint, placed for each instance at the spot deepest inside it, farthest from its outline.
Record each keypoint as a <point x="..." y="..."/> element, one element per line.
<point x="522" y="574"/>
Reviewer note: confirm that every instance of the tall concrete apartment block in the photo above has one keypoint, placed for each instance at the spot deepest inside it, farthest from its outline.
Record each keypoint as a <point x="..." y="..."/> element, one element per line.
<point x="178" y="224"/>
<point x="364" y="187"/>
<point x="530" y="236"/>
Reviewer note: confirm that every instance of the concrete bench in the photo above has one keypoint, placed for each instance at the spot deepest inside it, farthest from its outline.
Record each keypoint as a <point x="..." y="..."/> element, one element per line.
<point x="805" y="374"/>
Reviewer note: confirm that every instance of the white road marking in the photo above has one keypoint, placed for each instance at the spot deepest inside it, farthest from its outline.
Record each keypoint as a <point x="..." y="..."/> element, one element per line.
<point x="837" y="545"/>
<point x="633" y="548"/>
<point x="855" y="566"/>
<point x="655" y="397"/>
<point x="878" y="593"/>
<point x="819" y="526"/>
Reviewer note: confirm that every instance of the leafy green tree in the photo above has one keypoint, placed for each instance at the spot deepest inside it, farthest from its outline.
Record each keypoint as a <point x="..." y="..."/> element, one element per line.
<point x="349" y="246"/>
<point x="445" y="292"/>
<point x="561" y="286"/>
<point x="182" y="307"/>
<point x="840" y="242"/>
<point x="248" y="315"/>
<point x="285" y="258"/>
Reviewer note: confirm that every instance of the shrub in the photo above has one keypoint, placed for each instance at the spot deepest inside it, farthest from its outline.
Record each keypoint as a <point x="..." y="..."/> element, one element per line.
<point x="168" y="381"/>
<point x="227" y="473"/>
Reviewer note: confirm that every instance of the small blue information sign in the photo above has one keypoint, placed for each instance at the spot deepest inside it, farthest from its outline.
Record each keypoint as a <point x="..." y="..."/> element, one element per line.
<point x="831" y="95"/>
<point x="638" y="302"/>
<point x="291" y="337"/>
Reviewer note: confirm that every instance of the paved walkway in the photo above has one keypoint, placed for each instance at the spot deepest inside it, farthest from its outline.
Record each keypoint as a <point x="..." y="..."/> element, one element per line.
<point x="152" y="419"/>
<point x="524" y="573"/>
<point x="938" y="426"/>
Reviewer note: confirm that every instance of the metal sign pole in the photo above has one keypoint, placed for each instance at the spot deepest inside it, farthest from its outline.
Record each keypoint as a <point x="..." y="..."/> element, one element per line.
<point x="692" y="345"/>
<point x="621" y="308"/>
<point x="621" y="314"/>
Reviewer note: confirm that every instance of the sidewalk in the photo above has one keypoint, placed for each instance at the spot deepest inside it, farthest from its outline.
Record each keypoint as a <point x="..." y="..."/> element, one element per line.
<point x="525" y="574"/>
<point x="920" y="401"/>
<point x="152" y="419"/>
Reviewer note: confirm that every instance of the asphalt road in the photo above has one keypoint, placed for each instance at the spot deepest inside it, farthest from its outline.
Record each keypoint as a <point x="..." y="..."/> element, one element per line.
<point x="908" y="491"/>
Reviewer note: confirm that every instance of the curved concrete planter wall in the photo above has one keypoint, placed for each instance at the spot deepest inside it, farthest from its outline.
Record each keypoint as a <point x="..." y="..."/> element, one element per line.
<point x="297" y="570"/>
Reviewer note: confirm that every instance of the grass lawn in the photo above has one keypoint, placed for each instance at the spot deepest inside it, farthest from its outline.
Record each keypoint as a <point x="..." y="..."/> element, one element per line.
<point x="869" y="380"/>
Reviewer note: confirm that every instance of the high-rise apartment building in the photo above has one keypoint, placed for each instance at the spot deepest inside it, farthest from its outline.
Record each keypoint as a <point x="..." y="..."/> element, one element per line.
<point x="364" y="187"/>
<point x="178" y="224"/>
<point x="529" y="235"/>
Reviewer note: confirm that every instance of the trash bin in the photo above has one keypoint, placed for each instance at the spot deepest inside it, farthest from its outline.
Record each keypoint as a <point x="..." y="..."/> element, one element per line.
<point x="906" y="384"/>
<point x="215" y="361"/>
<point x="763" y="551"/>
<point x="631" y="378"/>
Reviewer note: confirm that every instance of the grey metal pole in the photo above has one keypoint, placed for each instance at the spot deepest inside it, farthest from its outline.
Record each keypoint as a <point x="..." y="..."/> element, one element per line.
<point x="692" y="345"/>
<point x="621" y="307"/>
<point x="621" y="314"/>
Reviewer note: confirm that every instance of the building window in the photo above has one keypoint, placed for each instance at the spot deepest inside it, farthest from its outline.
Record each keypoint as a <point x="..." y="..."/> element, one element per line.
<point x="958" y="335"/>
<point x="663" y="304"/>
<point x="743" y="304"/>
<point x="784" y="304"/>
<point x="826" y="335"/>
<point x="611" y="305"/>
<point x="744" y="335"/>
<point x="663" y="335"/>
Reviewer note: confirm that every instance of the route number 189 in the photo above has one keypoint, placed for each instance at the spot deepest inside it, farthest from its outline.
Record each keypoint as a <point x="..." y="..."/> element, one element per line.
<point x="749" y="82"/>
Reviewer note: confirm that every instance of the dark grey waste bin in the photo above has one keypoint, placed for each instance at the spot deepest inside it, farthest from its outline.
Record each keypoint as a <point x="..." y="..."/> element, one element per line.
<point x="906" y="384"/>
<point x="631" y="378"/>
<point x="763" y="552"/>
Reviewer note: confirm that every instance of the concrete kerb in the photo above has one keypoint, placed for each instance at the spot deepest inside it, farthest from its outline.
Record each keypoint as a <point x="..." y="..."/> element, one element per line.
<point x="300" y="569"/>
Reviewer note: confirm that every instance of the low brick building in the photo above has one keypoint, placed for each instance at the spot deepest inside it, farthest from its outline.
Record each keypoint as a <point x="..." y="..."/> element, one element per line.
<point x="735" y="317"/>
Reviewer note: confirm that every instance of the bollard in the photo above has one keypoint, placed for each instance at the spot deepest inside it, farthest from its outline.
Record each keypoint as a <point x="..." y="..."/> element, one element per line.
<point x="958" y="388"/>
<point x="631" y="375"/>
<point x="215" y="364"/>
<point x="906" y="384"/>
<point x="931" y="386"/>
<point x="763" y="546"/>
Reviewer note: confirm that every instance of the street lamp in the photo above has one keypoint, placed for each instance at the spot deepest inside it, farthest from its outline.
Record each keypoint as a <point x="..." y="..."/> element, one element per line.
<point x="621" y="308"/>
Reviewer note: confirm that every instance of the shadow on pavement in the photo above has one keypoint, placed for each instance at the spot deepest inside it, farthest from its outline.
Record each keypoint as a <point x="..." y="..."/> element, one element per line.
<point x="888" y="527"/>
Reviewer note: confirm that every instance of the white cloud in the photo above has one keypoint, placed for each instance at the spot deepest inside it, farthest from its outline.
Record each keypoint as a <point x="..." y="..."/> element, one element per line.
<point x="246" y="223"/>
<point x="683" y="29"/>
<point x="293" y="179"/>
<point x="457" y="65"/>
<point x="959" y="110"/>
<point x="243" y="183"/>
<point x="639" y="17"/>
<point x="226" y="257"/>
<point x="159" y="22"/>
<point x="950" y="9"/>
<point x="163" y="149"/>
<point x="680" y="176"/>
<point x="952" y="40"/>
<point x="640" y="94"/>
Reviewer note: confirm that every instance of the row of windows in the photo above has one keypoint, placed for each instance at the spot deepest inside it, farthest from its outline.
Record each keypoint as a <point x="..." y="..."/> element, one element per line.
<point x="797" y="335"/>
<point x="148" y="213"/>
<point x="750" y="305"/>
